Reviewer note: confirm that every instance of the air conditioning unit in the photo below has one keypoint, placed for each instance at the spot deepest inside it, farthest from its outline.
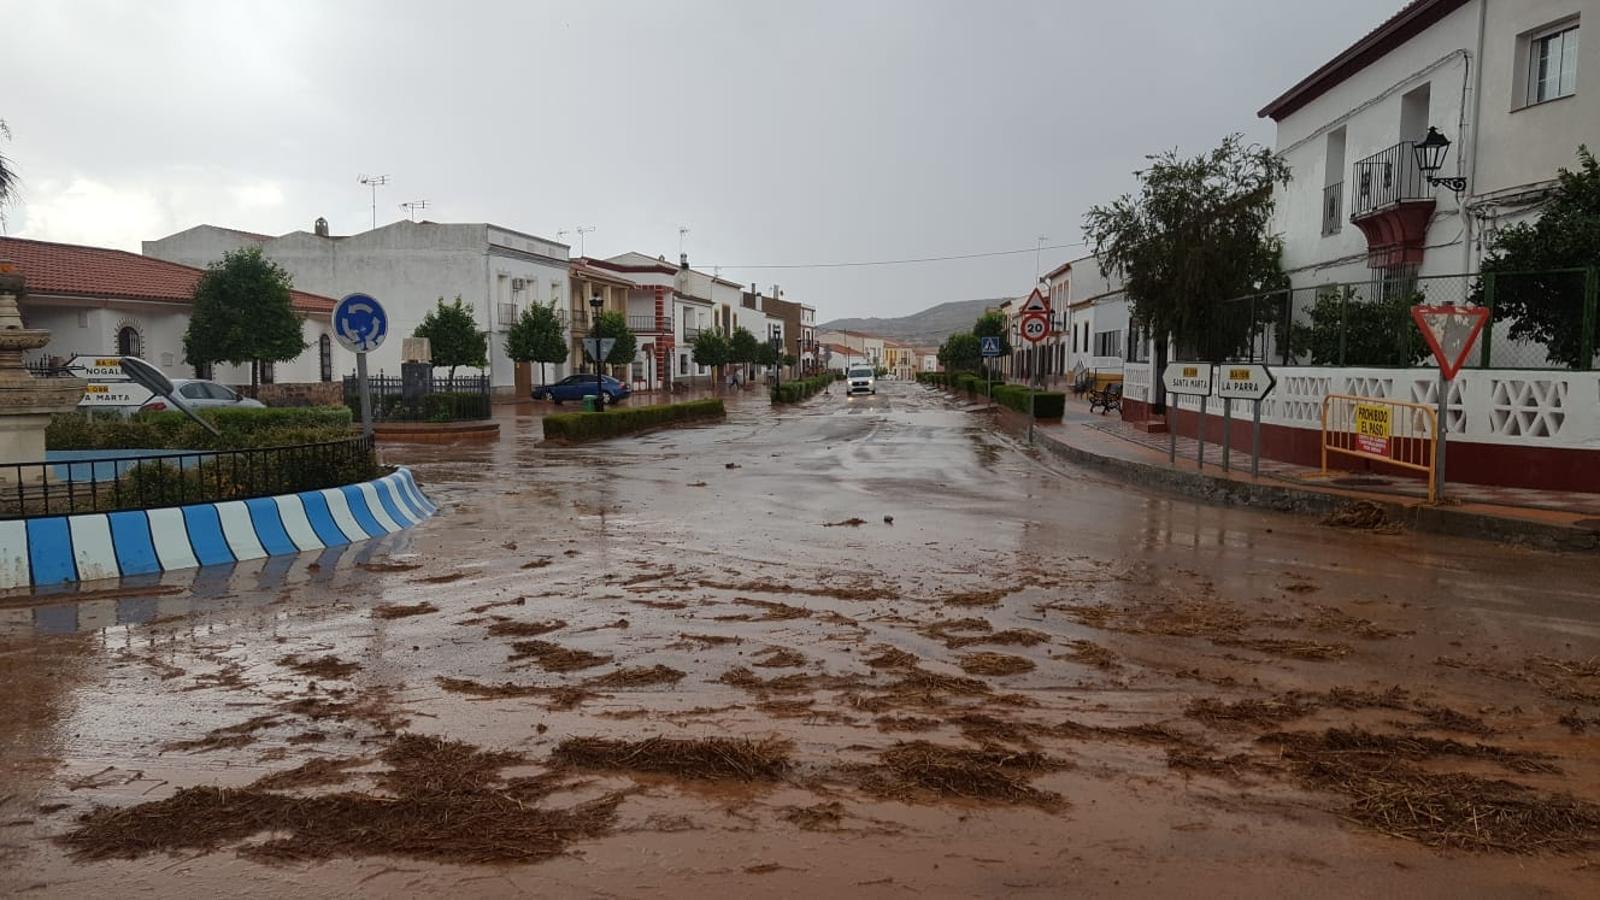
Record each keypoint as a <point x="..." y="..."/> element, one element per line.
<point x="519" y="284"/>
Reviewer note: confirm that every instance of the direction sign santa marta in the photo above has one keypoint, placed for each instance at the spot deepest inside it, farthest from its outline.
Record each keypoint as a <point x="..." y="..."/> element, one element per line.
<point x="1189" y="379"/>
<point x="360" y="324"/>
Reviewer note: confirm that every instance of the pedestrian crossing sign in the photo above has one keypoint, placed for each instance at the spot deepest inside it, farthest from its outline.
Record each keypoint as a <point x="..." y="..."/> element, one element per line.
<point x="989" y="345"/>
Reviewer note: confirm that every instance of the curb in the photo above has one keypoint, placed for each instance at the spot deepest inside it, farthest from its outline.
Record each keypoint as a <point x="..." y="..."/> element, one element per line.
<point x="1280" y="497"/>
<point x="54" y="550"/>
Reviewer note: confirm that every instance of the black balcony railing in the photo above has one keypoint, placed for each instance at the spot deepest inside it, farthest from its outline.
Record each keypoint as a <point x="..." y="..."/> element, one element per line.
<point x="1386" y="178"/>
<point x="650" y="324"/>
<point x="1332" y="208"/>
<point x="690" y="332"/>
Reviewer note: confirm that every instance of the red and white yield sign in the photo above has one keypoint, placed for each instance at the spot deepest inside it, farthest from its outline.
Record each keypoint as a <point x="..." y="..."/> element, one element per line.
<point x="1034" y="320"/>
<point x="1450" y="332"/>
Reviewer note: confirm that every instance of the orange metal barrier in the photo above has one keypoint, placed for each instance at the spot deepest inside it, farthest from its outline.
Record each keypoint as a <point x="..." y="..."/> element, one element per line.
<point x="1392" y="431"/>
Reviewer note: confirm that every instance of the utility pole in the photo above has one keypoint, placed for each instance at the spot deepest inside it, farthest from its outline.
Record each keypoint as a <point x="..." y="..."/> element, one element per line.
<point x="374" y="182"/>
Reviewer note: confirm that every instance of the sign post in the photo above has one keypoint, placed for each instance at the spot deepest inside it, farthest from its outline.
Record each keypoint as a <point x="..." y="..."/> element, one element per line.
<point x="1450" y="332"/>
<point x="1244" y="381"/>
<point x="1188" y="379"/>
<point x="989" y="348"/>
<point x="360" y="325"/>
<point x="1034" y="327"/>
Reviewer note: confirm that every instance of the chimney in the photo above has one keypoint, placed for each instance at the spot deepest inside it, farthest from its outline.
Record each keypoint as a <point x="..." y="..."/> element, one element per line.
<point x="683" y="261"/>
<point x="320" y="227"/>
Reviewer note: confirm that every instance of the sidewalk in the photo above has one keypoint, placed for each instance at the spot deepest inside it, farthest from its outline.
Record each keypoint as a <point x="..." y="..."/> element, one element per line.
<point x="1548" y="519"/>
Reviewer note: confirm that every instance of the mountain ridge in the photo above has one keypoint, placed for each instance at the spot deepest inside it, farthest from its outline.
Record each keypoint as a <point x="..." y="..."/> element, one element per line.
<point x="928" y="327"/>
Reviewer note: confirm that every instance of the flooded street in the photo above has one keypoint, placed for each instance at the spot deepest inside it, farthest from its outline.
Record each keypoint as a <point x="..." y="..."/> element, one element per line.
<point x="867" y="647"/>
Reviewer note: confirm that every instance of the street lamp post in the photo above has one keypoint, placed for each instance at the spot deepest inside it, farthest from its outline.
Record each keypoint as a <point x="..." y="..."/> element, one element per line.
<point x="599" y="383"/>
<point x="777" y="355"/>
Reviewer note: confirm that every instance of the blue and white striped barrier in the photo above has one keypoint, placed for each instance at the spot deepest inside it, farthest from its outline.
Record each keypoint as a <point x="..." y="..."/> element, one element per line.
<point x="59" y="549"/>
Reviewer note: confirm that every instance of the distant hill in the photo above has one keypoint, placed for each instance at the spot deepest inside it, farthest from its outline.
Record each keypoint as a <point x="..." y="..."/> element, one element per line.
<point x="929" y="327"/>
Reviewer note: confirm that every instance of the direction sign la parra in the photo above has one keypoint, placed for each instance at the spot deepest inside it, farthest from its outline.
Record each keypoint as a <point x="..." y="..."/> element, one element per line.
<point x="1191" y="379"/>
<point x="1244" y="381"/>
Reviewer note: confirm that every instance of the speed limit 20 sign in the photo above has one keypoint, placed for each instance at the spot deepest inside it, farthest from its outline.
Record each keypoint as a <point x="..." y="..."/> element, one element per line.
<point x="1035" y="327"/>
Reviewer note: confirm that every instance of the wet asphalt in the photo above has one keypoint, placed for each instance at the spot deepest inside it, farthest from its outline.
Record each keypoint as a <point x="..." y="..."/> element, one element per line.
<point x="877" y="518"/>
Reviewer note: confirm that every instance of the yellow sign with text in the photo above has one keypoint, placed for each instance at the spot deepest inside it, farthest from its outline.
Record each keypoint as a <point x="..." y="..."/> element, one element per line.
<point x="1373" y="428"/>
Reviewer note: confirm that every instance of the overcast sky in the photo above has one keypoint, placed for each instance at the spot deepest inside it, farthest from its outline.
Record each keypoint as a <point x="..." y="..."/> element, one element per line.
<point x="777" y="132"/>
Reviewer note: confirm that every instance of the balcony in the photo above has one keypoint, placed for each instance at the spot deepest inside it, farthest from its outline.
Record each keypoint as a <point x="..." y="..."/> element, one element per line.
<point x="690" y="332"/>
<point x="1387" y="178"/>
<point x="1392" y="206"/>
<point x="1333" y="208"/>
<point x="650" y="324"/>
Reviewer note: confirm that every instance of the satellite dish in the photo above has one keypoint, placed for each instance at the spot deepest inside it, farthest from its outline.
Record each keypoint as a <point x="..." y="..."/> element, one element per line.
<point x="146" y="375"/>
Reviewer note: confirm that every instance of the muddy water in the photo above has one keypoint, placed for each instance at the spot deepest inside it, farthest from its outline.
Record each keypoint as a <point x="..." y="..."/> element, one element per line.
<point x="673" y="548"/>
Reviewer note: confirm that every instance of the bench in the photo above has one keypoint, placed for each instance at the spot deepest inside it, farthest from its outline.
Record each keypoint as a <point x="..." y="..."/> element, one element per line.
<point x="1081" y="384"/>
<point x="1108" y="399"/>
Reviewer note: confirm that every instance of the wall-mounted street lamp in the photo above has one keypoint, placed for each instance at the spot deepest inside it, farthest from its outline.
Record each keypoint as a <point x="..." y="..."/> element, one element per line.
<point x="1429" y="154"/>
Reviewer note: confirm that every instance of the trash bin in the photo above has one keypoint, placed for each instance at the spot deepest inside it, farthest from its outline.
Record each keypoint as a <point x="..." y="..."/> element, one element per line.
<point x="588" y="403"/>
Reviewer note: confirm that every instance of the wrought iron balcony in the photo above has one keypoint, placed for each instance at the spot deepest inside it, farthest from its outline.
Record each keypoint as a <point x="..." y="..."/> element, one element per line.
<point x="1387" y="178"/>
<point x="1332" y="208"/>
<point x="690" y="332"/>
<point x="650" y="324"/>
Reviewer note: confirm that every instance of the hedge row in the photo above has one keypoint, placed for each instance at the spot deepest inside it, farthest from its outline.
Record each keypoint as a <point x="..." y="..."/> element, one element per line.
<point x="799" y="389"/>
<point x="1047" y="405"/>
<point x="239" y="427"/>
<point x="619" y="420"/>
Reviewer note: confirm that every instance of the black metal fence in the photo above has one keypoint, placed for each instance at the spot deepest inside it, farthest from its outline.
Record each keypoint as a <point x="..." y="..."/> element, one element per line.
<point x="158" y="479"/>
<point x="463" y="398"/>
<point x="1539" y="320"/>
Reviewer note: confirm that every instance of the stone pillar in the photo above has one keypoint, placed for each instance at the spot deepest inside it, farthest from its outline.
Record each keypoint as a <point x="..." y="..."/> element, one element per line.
<point x="26" y="402"/>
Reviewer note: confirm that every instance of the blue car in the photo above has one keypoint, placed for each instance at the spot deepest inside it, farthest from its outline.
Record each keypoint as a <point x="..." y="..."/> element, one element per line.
<point x="576" y="387"/>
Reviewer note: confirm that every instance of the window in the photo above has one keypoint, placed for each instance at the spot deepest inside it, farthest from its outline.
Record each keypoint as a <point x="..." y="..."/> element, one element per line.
<point x="128" y="342"/>
<point x="218" y="392"/>
<point x="1108" y="343"/>
<point x="325" y="357"/>
<point x="269" y="371"/>
<point x="204" y="370"/>
<point x="1553" y="65"/>
<point x="683" y="364"/>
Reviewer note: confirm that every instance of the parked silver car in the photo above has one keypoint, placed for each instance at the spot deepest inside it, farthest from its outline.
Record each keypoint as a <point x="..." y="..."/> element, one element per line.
<point x="197" y="393"/>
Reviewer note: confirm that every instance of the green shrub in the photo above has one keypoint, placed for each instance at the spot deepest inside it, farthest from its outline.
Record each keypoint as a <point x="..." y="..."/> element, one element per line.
<point x="619" y="420"/>
<point x="246" y="427"/>
<point x="1048" y="405"/>
<point x="799" y="389"/>
<point x="236" y="476"/>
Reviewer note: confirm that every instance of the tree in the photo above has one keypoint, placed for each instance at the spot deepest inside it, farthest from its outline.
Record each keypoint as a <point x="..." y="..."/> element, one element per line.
<point x="1193" y="236"/>
<point x="1544" y="306"/>
<point x="766" y="355"/>
<point x="8" y="175"/>
<point x="743" y="346"/>
<point x="615" y="325"/>
<point x="537" y="336"/>
<point x="961" y="352"/>
<point x="242" y="313"/>
<point x="453" y="336"/>
<point x="993" y="324"/>
<point x="1347" y="331"/>
<point x="711" y="348"/>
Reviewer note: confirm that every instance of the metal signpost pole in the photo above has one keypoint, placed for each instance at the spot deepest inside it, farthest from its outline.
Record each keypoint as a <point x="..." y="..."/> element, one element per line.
<point x="1255" y="441"/>
<point x="1200" y="435"/>
<point x="360" y="326"/>
<point x="1227" y="427"/>
<point x="1442" y="426"/>
<point x="366" y="395"/>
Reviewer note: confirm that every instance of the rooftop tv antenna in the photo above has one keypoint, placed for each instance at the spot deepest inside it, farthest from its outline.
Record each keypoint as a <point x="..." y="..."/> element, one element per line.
<point x="411" y="207"/>
<point x="583" y="230"/>
<point x="683" y="232"/>
<point x="374" y="182"/>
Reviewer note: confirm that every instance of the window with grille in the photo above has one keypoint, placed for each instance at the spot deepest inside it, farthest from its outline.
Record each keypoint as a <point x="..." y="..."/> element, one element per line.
<point x="325" y="357"/>
<point x="1108" y="343"/>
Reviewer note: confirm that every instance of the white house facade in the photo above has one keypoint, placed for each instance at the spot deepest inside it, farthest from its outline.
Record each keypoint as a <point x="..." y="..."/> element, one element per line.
<point x="408" y="267"/>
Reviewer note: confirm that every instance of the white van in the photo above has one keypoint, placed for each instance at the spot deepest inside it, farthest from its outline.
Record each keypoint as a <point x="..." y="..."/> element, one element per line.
<point x="861" y="380"/>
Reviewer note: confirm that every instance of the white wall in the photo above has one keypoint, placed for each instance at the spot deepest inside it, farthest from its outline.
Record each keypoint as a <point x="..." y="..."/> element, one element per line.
<point x="407" y="266"/>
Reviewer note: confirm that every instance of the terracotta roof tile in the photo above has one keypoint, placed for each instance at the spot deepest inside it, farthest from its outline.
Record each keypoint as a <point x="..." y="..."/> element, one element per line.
<point x="70" y="270"/>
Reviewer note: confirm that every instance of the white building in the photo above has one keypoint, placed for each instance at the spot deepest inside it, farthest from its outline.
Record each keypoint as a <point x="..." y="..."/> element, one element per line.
<point x="407" y="266"/>
<point x="1507" y="82"/>
<point x="101" y="302"/>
